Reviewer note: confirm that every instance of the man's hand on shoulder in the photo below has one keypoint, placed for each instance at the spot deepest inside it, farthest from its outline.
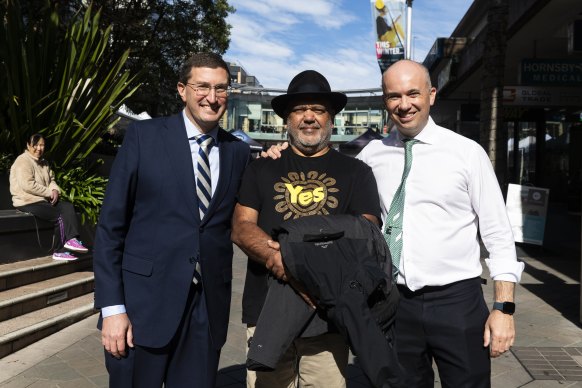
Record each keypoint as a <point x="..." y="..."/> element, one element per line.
<point x="274" y="152"/>
<point x="116" y="333"/>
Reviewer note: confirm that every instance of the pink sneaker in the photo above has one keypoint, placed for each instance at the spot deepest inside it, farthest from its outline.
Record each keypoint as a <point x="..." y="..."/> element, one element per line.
<point x="64" y="256"/>
<point x="75" y="245"/>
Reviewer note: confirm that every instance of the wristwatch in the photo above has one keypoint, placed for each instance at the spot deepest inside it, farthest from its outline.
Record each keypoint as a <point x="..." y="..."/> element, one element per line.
<point x="504" y="307"/>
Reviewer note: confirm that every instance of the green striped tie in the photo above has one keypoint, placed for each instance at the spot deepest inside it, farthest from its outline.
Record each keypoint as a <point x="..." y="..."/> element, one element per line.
<point x="393" y="230"/>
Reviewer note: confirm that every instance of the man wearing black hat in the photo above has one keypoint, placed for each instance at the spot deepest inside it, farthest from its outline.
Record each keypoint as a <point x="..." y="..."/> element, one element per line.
<point x="310" y="178"/>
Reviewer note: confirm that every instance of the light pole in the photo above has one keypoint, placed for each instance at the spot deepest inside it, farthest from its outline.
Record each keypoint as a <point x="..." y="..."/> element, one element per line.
<point x="408" y="29"/>
<point x="412" y="56"/>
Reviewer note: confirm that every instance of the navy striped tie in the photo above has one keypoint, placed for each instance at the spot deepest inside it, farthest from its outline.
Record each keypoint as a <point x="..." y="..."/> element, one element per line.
<point x="203" y="182"/>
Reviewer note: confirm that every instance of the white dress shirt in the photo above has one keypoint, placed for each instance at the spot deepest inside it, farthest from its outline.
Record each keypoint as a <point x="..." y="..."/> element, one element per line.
<point x="213" y="156"/>
<point x="451" y="194"/>
<point x="214" y="160"/>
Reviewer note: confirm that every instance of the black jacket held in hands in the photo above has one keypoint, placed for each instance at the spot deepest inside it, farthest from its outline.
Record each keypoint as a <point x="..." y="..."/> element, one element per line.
<point x="345" y="265"/>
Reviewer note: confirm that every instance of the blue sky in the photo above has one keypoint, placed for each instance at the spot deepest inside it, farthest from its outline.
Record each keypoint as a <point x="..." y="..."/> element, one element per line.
<point x="276" y="39"/>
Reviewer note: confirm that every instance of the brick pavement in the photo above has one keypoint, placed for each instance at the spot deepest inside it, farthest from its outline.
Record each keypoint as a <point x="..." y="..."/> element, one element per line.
<point x="547" y="322"/>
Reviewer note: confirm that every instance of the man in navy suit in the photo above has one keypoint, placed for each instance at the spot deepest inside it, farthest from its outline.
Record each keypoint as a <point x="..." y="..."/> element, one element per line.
<point x="163" y="255"/>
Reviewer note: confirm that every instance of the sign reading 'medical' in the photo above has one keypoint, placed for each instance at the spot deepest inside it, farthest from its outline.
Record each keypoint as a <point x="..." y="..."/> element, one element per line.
<point x="551" y="72"/>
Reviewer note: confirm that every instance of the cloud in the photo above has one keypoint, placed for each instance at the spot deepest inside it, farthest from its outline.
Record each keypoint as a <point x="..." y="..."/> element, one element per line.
<point x="426" y="27"/>
<point x="345" y="66"/>
<point x="250" y="37"/>
<point x="276" y="39"/>
<point x="273" y="30"/>
<point x="328" y="14"/>
<point x="262" y="12"/>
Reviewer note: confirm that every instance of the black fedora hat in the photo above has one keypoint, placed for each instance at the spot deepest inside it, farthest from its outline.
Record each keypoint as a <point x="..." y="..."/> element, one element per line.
<point x="308" y="83"/>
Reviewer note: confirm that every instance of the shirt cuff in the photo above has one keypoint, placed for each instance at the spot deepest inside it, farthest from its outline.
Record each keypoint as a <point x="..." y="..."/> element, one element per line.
<point x="505" y="270"/>
<point x="112" y="310"/>
<point x="506" y="277"/>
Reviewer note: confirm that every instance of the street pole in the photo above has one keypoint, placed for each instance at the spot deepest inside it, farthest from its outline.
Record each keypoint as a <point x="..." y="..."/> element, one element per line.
<point x="408" y="53"/>
<point x="413" y="46"/>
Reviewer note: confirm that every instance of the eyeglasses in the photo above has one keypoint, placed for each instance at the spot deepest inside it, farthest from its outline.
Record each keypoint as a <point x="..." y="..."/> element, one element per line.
<point x="318" y="110"/>
<point x="204" y="90"/>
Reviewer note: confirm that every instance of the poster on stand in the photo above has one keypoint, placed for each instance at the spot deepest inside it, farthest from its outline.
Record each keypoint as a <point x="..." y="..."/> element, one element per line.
<point x="389" y="20"/>
<point x="527" y="208"/>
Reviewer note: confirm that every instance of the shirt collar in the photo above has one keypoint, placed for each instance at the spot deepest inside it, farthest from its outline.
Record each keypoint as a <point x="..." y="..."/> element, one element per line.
<point x="193" y="131"/>
<point x="428" y="135"/>
<point x="31" y="156"/>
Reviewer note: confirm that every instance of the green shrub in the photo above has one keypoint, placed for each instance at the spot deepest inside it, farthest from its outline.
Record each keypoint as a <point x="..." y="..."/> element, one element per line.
<point x="84" y="189"/>
<point x="5" y="163"/>
<point x="57" y="80"/>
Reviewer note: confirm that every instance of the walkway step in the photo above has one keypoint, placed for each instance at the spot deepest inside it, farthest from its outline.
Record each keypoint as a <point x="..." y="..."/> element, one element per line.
<point x="25" y="272"/>
<point x="36" y="296"/>
<point x="19" y="332"/>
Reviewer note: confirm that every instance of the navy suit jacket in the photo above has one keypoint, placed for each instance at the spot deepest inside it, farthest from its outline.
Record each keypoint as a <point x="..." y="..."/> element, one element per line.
<point x="150" y="236"/>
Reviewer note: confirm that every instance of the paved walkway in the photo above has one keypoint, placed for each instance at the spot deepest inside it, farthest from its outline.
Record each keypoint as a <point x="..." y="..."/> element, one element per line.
<point x="547" y="353"/>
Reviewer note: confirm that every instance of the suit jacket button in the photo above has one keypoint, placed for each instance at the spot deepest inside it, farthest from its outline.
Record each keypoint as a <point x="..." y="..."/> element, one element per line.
<point x="201" y="230"/>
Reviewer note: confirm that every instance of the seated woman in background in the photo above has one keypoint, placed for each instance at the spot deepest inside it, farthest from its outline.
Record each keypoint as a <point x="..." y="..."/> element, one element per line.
<point x="34" y="190"/>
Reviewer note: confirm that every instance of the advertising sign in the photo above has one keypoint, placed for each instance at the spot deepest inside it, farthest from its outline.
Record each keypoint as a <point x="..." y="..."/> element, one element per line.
<point x="527" y="207"/>
<point x="567" y="72"/>
<point x="541" y="96"/>
<point x="389" y="18"/>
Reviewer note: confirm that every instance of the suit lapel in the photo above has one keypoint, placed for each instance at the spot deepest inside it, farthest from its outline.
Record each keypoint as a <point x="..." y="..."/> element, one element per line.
<point x="180" y="157"/>
<point x="224" y="178"/>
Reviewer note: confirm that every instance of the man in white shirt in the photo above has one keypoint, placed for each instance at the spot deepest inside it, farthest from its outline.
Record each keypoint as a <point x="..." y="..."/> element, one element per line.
<point x="451" y="195"/>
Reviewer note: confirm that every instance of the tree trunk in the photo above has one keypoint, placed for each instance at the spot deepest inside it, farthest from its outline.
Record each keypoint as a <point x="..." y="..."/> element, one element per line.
<point x="493" y="133"/>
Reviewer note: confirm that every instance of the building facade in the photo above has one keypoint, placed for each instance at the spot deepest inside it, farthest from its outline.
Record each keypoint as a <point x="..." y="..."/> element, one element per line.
<point x="541" y="104"/>
<point x="249" y="109"/>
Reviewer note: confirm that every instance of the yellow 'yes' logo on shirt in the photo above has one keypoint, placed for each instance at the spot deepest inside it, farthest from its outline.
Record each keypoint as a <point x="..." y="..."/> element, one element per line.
<point x="304" y="194"/>
<point x="305" y="197"/>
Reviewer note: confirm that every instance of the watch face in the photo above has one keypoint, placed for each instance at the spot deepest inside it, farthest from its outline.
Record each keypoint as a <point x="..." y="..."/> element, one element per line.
<point x="508" y="307"/>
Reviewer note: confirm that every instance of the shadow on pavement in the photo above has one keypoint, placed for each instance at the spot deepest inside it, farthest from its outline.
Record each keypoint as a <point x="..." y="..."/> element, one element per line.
<point x="562" y="296"/>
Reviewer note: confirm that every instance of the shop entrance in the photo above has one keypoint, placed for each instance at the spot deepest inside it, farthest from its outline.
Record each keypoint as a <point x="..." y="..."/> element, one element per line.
<point x="544" y="149"/>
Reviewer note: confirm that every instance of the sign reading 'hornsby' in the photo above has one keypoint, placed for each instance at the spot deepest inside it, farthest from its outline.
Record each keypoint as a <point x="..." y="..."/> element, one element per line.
<point x="551" y="72"/>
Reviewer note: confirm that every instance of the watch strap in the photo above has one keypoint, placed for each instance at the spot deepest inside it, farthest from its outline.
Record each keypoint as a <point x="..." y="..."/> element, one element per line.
<point x="504" y="307"/>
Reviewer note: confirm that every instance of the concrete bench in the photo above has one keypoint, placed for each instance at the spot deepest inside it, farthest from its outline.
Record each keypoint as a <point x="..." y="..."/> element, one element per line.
<point x="22" y="236"/>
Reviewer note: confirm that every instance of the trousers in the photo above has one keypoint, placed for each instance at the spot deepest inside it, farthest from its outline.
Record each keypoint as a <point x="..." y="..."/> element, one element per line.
<point x="189" y="360"/>
<point x="62" y="214"/>
<point x="444" y="324"/>
<point x="319" y="361"/>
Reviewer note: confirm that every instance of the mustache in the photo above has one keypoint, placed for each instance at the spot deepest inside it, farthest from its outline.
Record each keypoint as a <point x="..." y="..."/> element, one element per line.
<point x="310" y="126"/>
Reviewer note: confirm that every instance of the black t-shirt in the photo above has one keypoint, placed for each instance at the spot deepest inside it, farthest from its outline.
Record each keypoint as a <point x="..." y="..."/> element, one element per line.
<point x="294" y="186"/>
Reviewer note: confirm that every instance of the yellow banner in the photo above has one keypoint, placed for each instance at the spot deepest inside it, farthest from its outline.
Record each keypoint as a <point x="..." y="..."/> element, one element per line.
<point x="389" y="18"/>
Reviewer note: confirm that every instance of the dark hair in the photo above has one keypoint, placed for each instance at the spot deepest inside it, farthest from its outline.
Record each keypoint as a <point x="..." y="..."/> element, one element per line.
<point x="211" y="60"/>
<point x="34" y="139"/>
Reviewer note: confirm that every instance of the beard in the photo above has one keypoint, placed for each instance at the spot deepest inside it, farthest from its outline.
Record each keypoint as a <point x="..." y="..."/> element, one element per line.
<point x="309" y="145"/>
